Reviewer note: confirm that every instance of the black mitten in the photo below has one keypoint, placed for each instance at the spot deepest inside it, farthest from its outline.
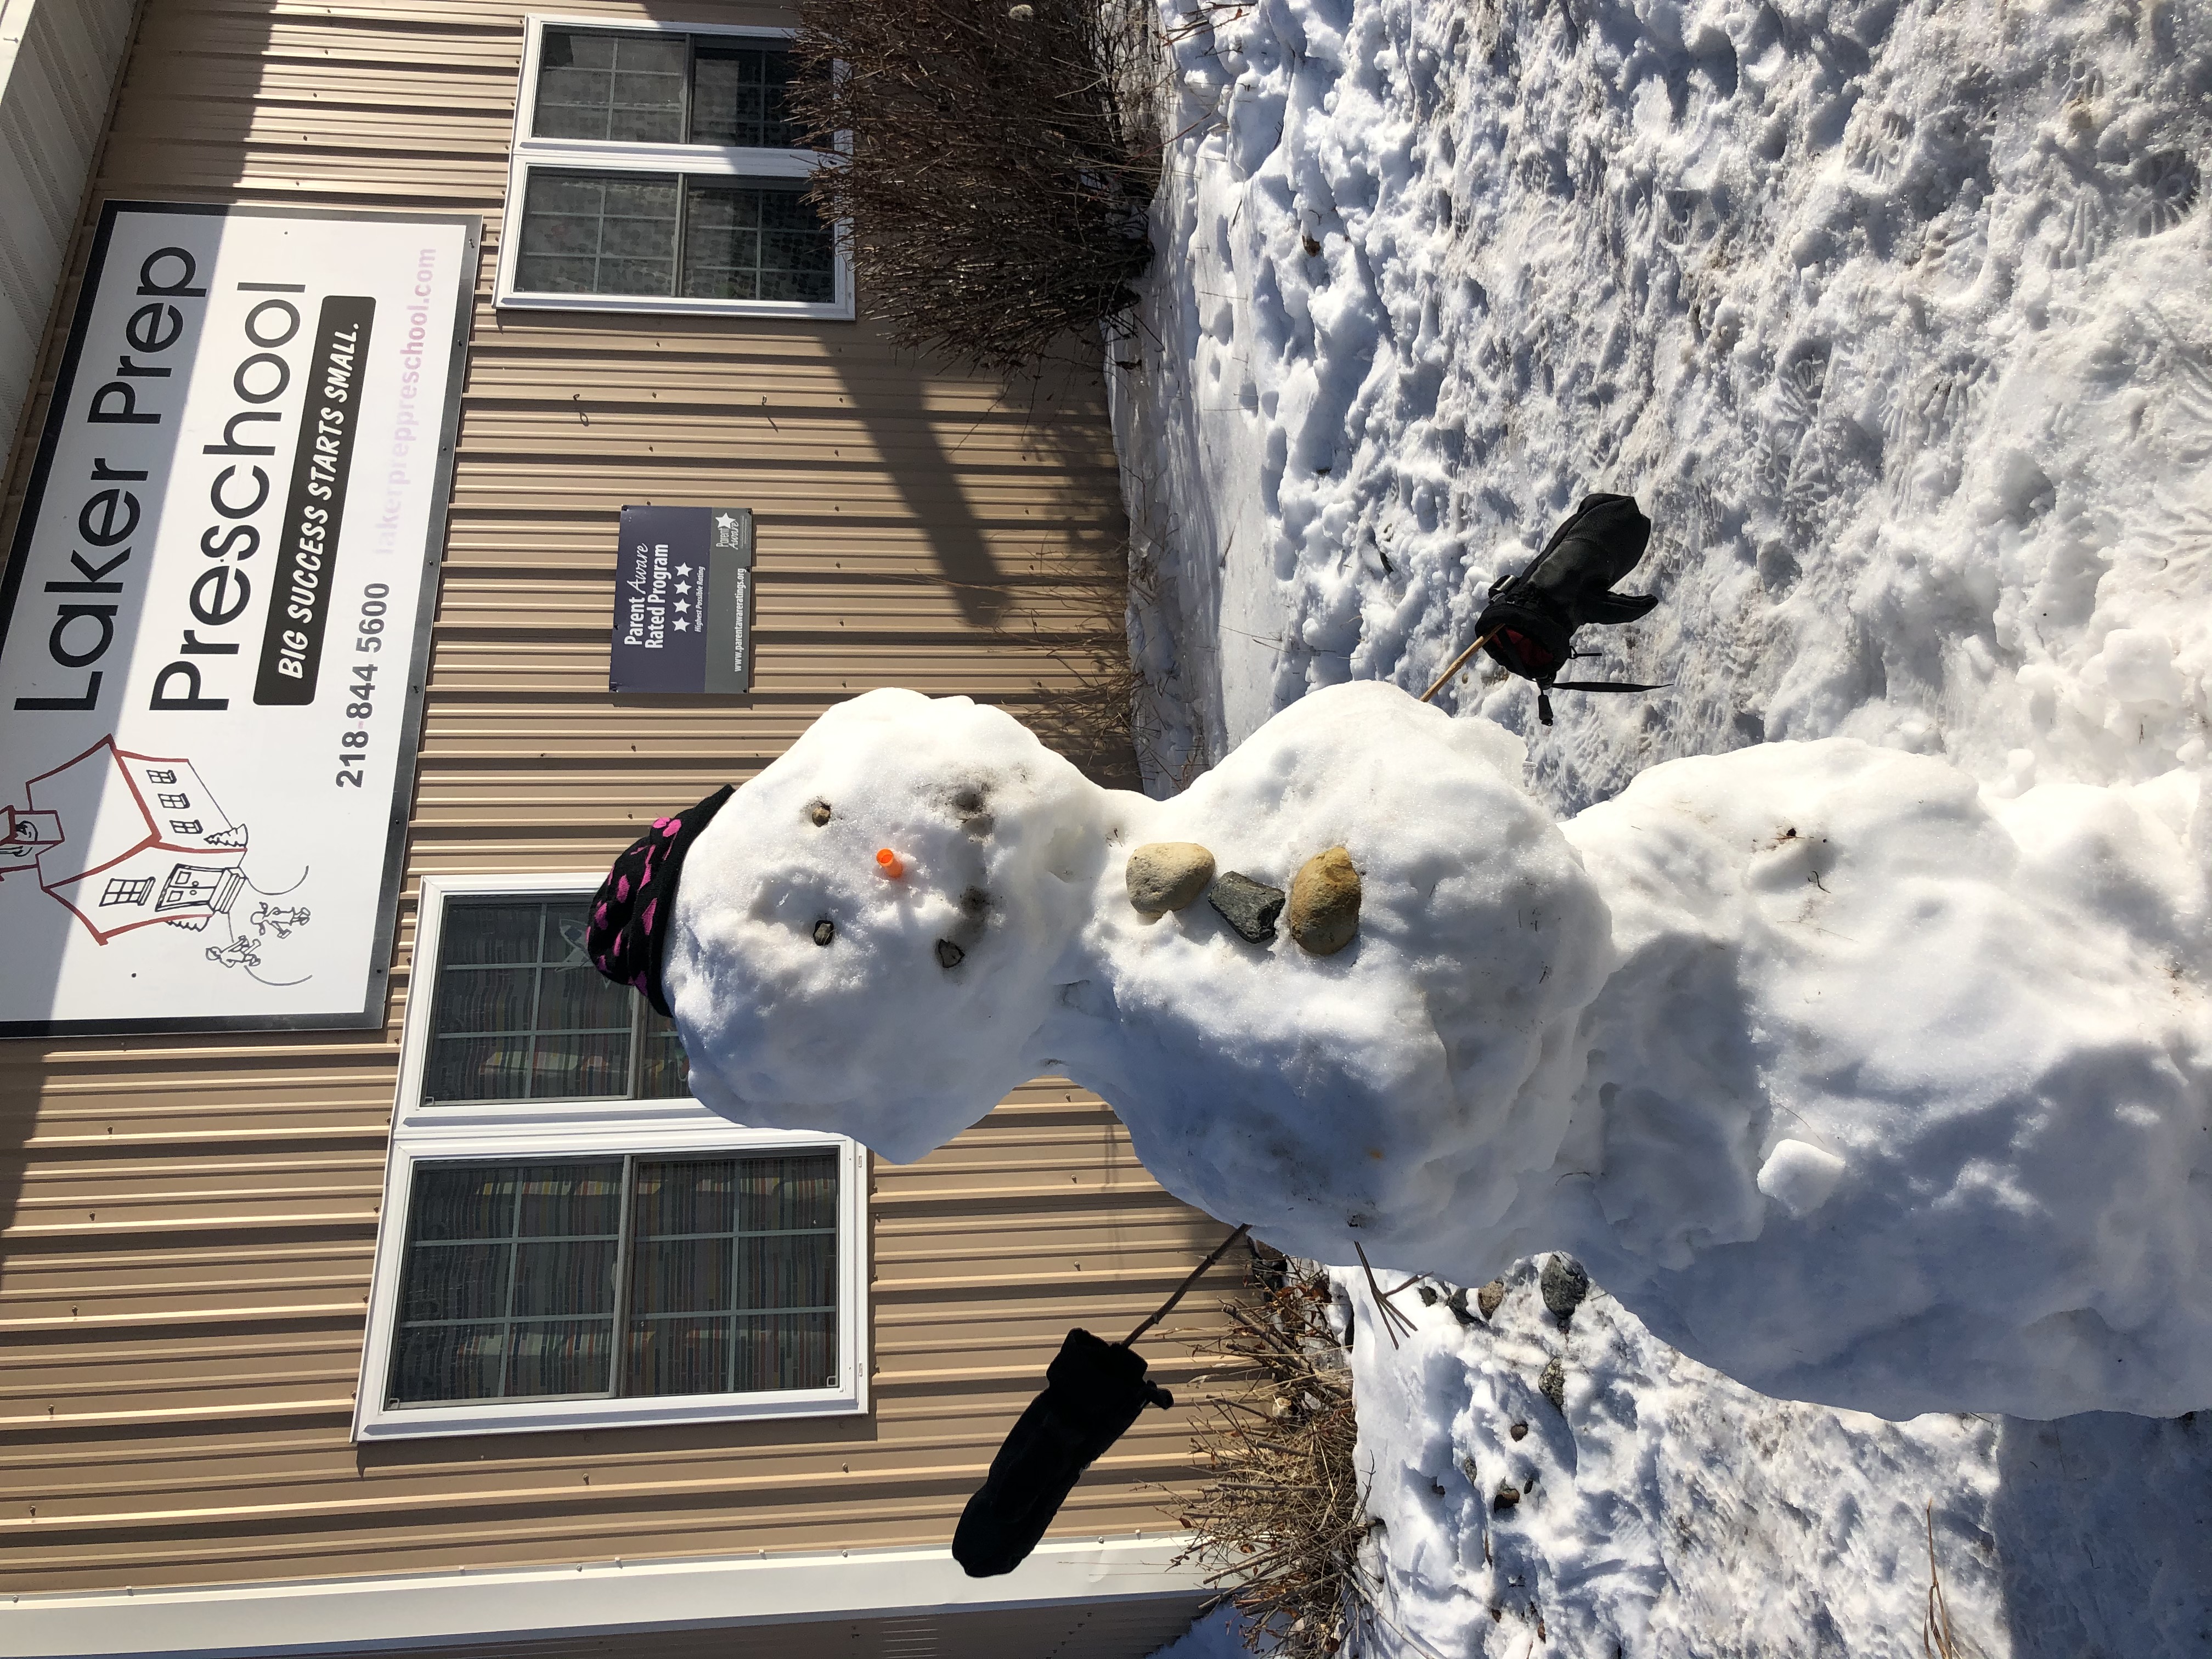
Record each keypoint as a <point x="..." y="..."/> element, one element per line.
<point x="1529" y="623"/>
<point x="1093" y="1391"/>
<point x="1586" y="555"/>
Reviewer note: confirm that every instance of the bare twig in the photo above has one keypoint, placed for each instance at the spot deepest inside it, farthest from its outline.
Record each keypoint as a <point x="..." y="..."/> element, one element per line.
<point x="1196" y="1273"/>
<point x="1938" y="1639"/>
<point x="1393" y="1320"/>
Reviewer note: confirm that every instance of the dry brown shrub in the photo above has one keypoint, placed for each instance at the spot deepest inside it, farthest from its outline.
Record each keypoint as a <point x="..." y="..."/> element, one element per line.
<point x="1281" y="1523"/>
<point x="1000" y="159"/>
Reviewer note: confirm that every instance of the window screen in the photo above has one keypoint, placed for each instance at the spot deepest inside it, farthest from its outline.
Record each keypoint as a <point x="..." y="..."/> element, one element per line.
<point x="627" y="88"/>
<point x="737" y="96"/>
<point x="749" y="241"/>
<point x="720" y="1274"/>
<point x="661" y="88"/>
<point x="598" y="233"/>
<point x="521" y="1014"/>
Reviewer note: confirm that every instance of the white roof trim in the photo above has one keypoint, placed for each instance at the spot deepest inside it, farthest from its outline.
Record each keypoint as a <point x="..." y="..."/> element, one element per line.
<point x="370" y="1614"/>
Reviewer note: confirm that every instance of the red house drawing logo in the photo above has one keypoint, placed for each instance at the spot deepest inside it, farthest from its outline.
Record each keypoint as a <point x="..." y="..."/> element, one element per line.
<point x="127" y="841"/>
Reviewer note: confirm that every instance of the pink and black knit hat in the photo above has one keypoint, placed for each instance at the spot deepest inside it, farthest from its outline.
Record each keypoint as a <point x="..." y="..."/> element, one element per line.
<point x="635" y="905"/>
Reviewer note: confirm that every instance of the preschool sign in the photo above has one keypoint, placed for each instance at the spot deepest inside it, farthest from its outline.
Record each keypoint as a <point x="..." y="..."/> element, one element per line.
<point x="215" y="612"/>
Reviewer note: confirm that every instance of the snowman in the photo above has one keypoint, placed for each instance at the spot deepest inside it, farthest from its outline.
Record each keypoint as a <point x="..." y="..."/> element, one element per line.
<point x="1847" y="1081"/>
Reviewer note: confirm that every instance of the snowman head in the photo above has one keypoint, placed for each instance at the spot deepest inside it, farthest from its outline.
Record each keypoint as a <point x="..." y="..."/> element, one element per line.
<point x="893" y="897"/>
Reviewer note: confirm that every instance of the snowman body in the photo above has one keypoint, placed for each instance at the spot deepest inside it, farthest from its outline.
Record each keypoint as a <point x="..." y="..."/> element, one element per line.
<point x="1847" y="1081"/>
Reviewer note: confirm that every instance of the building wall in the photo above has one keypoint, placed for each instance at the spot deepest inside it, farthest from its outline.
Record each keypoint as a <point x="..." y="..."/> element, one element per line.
<point x="188" y="1222"/>
<point x="58" y="59"/>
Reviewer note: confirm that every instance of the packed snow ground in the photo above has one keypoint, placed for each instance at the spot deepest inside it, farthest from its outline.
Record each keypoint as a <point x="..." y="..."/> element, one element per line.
<point x="1892" y="317"/>
<point x="1895" y="318"/>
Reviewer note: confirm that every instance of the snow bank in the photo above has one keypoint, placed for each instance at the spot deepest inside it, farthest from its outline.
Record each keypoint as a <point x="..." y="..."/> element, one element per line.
<point x="1852" y="1086"/>
<point x="1669" y="1513"/>
<point x="1892" y="315"/>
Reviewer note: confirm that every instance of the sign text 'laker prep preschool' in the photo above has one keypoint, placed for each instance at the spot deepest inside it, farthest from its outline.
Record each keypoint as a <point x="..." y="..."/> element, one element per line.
<point x="210" y="675"/>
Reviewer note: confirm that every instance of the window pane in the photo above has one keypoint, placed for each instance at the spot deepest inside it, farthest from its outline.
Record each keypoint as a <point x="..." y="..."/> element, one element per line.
<point x="508" y="1286"/>
<point x="467" y="1280"/>
<point x="737" y="96"/>
<point x="569" y="1201"/>
<point x="677" y="1199"/>
<point x="489" y="932"/>
<point x="477" y="1001"/>
<point x="663" y="1072"/>
<point x="625" y="86"/>
<point x="477" y="1068"/>
<point x="792" y="1351"/>
<point x="598" y="233"/>
<point x="754" y="241"/>
<point x="449" y="1362"/>
<point x="678" y="1356"/>
<point x="734" y="1275"/>
<point x="558" y="1356"/>
<point x="520" y="1014"/>
<point x="566" y="1276"/>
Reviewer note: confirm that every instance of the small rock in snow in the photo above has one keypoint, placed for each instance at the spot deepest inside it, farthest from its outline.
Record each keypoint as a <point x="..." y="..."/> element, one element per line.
<point x="1168" y="875"/>
<point x="1249" y="906"/>
<point x="1457" y="1303"/>
<point x="1508" y="1496"/>
<point x="1519" y="1431"/>
<point x="1324" y="908"/>
<point x="949" y="955"/>
<point x="1565" y="1284"/>
<point x="824" y="931"/>
<point x="1487" y="1299"/>
<point x="1553" y="1384"/>
<point x="819" y="811"/>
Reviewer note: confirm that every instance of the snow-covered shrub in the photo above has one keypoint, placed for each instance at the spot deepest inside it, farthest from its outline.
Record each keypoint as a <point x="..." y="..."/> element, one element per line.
<point x="998" y="163"/>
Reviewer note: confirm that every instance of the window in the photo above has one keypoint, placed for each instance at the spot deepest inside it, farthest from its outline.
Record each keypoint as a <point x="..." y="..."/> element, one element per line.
<point x="655" y="170"/>
<point x="175" y="803"/>
<point x="618" y="1277"/>
<point x="152" y="776"/>
<point x="522" y="1014"/>
<point x="122" y="892"/>
<point x="569" y="1240"/>
<point x="184" y="826"/>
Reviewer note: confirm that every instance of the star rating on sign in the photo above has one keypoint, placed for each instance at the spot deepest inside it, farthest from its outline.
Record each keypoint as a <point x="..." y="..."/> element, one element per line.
<point x="683" y="569"/>
<point x="680" y="625"/>
<point x="682" y="605"/>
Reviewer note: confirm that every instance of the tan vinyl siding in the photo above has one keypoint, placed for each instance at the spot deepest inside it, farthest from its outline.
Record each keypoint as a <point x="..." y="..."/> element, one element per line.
<point x="189" y="1222"/>
<point x="58" y="60"/>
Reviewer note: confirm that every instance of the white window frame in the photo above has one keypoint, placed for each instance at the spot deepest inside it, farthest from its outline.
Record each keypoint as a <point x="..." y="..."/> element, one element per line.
<point x="513" y="1131"/>
<point x="610" y="157"/>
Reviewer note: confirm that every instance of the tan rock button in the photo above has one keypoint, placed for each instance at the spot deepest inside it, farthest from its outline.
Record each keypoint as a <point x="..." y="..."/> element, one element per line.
<point x="1168" y="875"/>
<point x="1324" y="909"/>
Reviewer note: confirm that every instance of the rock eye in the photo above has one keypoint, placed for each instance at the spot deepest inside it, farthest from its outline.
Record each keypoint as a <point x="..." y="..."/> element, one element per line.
<point x="969" y="799"/>
<point x="949" y="955"/>
<point x="819" y="813"/>
<point x="824" y="931"/>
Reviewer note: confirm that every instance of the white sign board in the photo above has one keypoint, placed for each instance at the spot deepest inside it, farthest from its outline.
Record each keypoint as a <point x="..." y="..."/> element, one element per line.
<point x="216" y="614"/>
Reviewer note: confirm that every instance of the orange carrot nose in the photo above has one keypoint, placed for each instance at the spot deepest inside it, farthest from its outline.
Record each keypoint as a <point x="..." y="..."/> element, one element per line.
<point x="888" y="862"/>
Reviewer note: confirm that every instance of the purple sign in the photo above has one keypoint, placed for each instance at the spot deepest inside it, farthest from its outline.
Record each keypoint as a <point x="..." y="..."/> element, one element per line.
<point x="683" y="602"/>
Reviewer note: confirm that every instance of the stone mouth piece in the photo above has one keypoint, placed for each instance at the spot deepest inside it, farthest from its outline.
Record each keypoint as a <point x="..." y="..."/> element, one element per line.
<point x="1250" y="906"/>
